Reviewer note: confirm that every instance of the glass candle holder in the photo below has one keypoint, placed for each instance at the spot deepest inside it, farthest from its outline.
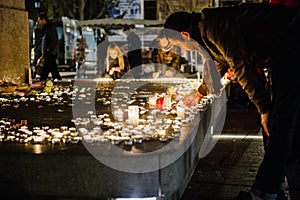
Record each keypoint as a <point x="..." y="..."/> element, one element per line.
<point x="159" y="103"/>
<point x="133" y="115"/>
<point x="118" y="115"/>
<point x="152" y="101"/>
<point x="180" y="112"/>
<point x="167" y="102"/>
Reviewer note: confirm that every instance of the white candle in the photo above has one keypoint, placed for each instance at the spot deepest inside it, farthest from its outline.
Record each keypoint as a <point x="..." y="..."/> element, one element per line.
<point x="167" y="102"/>
<point x="118" y="115"/>
<point x="152" y="100"/>
<point x="180" y="112"/>
<point x="133" y="115"/>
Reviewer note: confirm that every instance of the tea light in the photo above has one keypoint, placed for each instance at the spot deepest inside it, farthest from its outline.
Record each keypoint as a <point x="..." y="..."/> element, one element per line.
<point x="98" y="121"/>
<point x="163" y="138"/>
<point x="107" y="119"/>
<point x="143" y="111"/>
<point x="57" y="134"/>
<point x="88" y="138"/>
<point x="138" y="139"/>
<point x="176" y="128"/>
<point x="63" y="128"/>
<point x="100" y="139"/>
<point x="152" y="100"/>
<point x="128" y="142"/>
<point x="93" y="117"/>
<point x="180" y="112"/>
<point x="173" y="112"/>
<point x="75" y="140"/>
<point x="118" y="115"/>
<point x="142" y="121"/>
<point x="118" y="127"/>
<point x="168" y="121"/>
<point x="2" y="138"/>
<point x="116" y="140"/>
<point x="133" y="115"/>
<point x="38" y="139"/>
<point x="26" y="140"/>
<point x="159" y="122"/>
<point x="55" y="140"/>
<point x="130" y="127"/>
<point x="150" y="119"/>
<point x="97" y="130"/>
<point x="204" y="101"/>
<point x="210" y="99"/>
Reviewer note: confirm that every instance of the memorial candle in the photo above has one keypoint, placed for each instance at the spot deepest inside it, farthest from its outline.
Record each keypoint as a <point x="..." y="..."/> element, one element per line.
<point x="133" y="115"/>
<point x="159" y="103"/>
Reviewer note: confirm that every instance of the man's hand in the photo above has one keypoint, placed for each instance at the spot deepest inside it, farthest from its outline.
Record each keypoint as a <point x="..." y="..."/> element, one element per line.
<point x="155" y="74"/>
<point x="192" y="99"/>
<point x="111" y="71"/>
<point x="264" y="122"/>
<point x="117" y="69"/>
<point x="169" y="73"/>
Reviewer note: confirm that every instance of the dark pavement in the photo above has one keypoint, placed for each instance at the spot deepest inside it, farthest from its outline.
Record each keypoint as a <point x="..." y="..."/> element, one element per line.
<point x="232" y="164"/>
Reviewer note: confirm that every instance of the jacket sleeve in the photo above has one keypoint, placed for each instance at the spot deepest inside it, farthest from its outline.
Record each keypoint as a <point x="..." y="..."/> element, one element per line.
<point x="175" y="63"/>
<point x="224" y="40"/>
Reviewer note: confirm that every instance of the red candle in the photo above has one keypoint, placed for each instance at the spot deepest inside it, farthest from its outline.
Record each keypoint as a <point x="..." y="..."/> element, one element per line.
<point x="159" y="103"/>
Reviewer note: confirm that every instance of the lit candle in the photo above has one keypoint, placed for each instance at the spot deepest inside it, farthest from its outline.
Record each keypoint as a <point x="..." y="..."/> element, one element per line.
<point x="152" y="100"/>
<point x="118" y="115"/>
<point x="133" y="115"/>
<point x="159" y="103"/>
<point x="180" y="112"/>
<point x="167" y="102"/>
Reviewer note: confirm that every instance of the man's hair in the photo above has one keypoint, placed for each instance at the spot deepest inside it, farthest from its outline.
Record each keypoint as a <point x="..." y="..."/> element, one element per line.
<point x="185" y="23"/>
<point x="43" y="15"/>
<point x="179" y="21"/>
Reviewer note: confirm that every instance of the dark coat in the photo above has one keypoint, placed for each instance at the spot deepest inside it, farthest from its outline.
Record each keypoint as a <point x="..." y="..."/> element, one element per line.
<point x="134" y="50"/>
<point x="50" y="43"/>
<point x="246" y="37"/>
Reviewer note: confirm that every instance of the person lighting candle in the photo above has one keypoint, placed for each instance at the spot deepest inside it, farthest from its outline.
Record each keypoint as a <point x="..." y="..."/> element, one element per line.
<point x="241" y="38"/>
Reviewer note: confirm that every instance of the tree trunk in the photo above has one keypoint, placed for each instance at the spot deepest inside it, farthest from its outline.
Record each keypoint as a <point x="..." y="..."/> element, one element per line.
<point x="81" y="9"/>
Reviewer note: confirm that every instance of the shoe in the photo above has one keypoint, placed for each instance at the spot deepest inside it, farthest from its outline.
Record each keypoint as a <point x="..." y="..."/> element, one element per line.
<point x="243" y="196"/>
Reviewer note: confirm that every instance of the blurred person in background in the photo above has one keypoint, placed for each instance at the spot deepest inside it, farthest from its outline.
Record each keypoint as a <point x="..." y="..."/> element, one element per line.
<point x="116" y="62"/>
<point x="166" y="57"/>
<point x="50" y="47"/>
<point x="134" y="53"/>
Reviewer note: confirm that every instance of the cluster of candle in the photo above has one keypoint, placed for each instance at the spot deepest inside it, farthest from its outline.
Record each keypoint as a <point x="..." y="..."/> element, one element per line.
<point x="130" y="120"/>
<point x="161" y="125"/>
<point x="58" y="96"/>
<point x="11" y="131"/>
<point x="145" y="129"/>
<point x="134" y="119"/>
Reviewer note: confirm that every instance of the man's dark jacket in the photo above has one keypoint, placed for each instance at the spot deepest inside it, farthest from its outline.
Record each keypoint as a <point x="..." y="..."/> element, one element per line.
<point x="243" y="38"/>
<point x="50" y="41"/>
